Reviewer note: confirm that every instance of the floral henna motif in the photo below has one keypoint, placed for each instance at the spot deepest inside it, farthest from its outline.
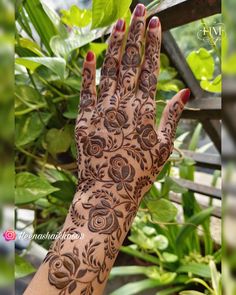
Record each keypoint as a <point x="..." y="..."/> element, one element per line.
<point x="93" y="145"/>
<point x="120" y="152"/>
<point x="87" y="99"/>
<point x="110" y="66"/>
<point x="131" y="57"/>
<point x="115" y="120"/>
<point x="147" y="137"/>
<point x="173" y="118"/>
<point x="102" y="215"/>
<point x="103" y="218"/>
<point x="121" y="172"/>
<point x="148" y="82"/>
<point x="67" y="271"/>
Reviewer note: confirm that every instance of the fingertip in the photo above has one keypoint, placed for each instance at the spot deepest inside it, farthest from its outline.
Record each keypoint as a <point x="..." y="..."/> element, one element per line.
<point x="140" y="10"/>
<point x="185" y="95"/>
<point x="120" y="25"/>
<point x="90" y="57"/>
<point x="154" y="23"/>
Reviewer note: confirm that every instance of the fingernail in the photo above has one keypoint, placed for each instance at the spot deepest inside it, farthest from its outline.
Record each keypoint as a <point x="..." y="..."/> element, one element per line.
<point x="140" y="10"/>
<point x="186" y="95"/>
<point x="154" y="22"/>
<point x="120" y="25"/>
<point x="90" y="56"/>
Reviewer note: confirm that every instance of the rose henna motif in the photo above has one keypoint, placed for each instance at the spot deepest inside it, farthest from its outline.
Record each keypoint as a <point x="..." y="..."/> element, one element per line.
<point x="115" y="120"/>
<point x="110" y="68"/>
<point x="121" y="172"/>
<point x="102" y="218"/>
<point x="120" y="153"/>
<point x="147" y="137"/>
<point x="93" y="145"/>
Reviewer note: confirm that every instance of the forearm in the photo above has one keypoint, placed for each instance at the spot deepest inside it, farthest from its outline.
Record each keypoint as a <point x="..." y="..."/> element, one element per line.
<point x="102" y="219"/>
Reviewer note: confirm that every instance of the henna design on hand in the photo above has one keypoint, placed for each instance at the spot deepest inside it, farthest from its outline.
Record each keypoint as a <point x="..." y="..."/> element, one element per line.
<point x="120" y="152"/>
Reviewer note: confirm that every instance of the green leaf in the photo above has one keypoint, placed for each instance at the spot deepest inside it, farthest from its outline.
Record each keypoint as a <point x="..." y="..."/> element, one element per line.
<point x="72" y="108"/>
<point x="102" y="13"/>
<point x="41" y="22"/>
<point x="167" y="74"/>
<point x="173" y="85"/>
<point x="97" y="48"/>
<point x="29" y="127"/>
<point x="66" y="190"/>
<point x="212" y="86"/>
<point x="191" y="225"/>
<point x="59" y="140"/>
<point x="162" y="210"/>
<point x="31" y="45"/>
<point x="169" y="257"/>
<point x="64" y="46"/>
<point x="153" y="272"/>
<point x="139" y="238"/>
<point x="153" y="194"/>
<point x="164" y="171"/>
<point x="200" y="281"/>
<point x="160" y="242"/>
<point x="170" y="291"/>
<point x="215" y="278"/>
<point x="205" y="147"/>
<point x="171" y="185"/>
<point x="55" y="18"/>
<point x="197" y="269"/>
<point x="195" y="138"/>
<point x="26" y="97"/>
<point x="191" y="292"/>
<point x="149" y="231"/>
<point x="142" y="255"/>
<point x="164" y="60"/>
<point x="105" y="12"/>
<point x="136" y="287"/>
<point x="127" y="271"/>
<point x="55" y="64"/>
<point x="180" y="139"/>
<point x="74" y="83"/>
<point x="30" y="188"/>
<point x="202" y="64"/>
<point x="22" y="267"/>
<point x="76" y="17"/>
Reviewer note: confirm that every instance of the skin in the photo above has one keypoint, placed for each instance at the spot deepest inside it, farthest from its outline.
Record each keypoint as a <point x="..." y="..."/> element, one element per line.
<point x="120" y="153"/>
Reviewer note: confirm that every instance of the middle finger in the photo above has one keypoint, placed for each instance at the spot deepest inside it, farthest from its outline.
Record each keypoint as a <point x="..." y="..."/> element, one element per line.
<point x="132" y="56"/>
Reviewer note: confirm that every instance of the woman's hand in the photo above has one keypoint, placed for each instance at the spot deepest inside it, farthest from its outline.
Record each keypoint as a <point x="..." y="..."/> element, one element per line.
<point x="119" y="145"/>
<point x="120" y="153"/>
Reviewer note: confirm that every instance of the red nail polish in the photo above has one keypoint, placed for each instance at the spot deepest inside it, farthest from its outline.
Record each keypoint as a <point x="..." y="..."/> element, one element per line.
<point x="154" y="22"/>
<point x="140" y="10"/>
<point x="90" y="56"/>
<point x="186" y="95"/>
<point x="120" y="25"/>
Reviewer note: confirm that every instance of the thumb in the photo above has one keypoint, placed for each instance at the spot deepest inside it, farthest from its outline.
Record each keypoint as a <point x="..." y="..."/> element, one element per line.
<point x="172" y="113"/>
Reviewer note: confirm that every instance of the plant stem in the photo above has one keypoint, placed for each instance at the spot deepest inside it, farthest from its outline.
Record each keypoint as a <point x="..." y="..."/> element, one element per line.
<point x="213" y="45"/>
<point x="29" y="154"/>
<point x="42" y="105"/>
